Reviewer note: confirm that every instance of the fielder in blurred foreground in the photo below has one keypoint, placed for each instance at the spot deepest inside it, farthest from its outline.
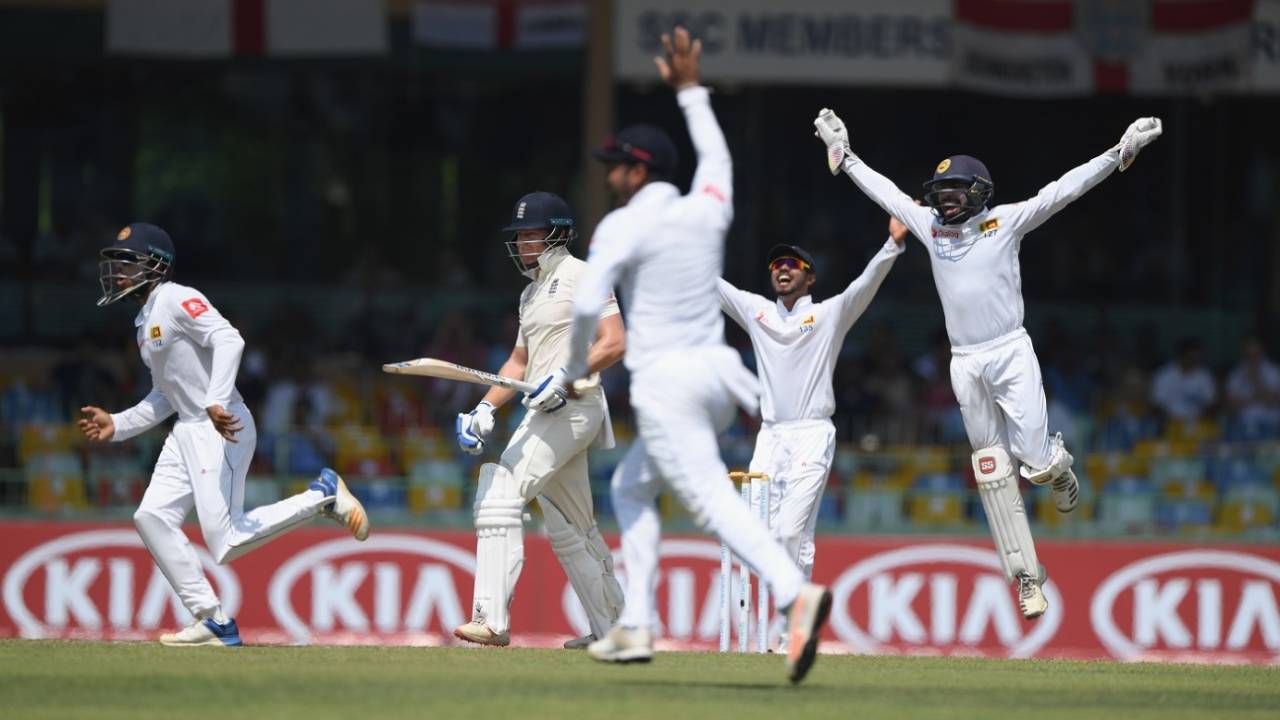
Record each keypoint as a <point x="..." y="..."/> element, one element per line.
<point x="547" y="455"/>
<point x="796" y="343"/>
<point x="666" y="251"/>
<point x="973" y="250"/>
<point x="194" y="354"/>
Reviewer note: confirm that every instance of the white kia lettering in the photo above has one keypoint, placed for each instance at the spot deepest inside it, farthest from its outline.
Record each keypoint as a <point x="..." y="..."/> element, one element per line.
<point x="1156" y="601"/>
<point x="69" y="583"/>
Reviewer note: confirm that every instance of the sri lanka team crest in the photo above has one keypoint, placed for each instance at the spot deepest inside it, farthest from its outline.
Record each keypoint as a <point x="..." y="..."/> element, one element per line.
<point x="156" y="338"/>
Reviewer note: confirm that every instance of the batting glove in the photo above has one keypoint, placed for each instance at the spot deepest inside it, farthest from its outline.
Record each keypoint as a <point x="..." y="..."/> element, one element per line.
<point x="1141" y="133"/>
<point x="832" y="132"/>
<point x="473" y="427"/>
<point x="550" y="395"/>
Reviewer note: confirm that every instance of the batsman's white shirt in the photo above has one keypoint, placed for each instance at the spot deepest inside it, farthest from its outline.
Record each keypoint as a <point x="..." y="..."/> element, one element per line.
<point x="975" y="264"/>
<point x="796" y="349"/>
<point x="546" y="312"/>
<point x="665" y="251"/>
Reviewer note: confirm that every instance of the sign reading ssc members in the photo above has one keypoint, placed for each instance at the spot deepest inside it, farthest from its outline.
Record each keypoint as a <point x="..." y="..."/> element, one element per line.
<point x="884" y="42"/>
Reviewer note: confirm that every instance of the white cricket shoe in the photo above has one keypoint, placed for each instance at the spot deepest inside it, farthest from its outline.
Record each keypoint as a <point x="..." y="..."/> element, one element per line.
<point x="1031" y="597"/>
<point x="579" y="643"/>
<point x="479" y="633"/>
<point x="345" y="509"/>
<point x="623" y="645"/>
<point x="805" y="618"/>
<point x="204" y="632"/>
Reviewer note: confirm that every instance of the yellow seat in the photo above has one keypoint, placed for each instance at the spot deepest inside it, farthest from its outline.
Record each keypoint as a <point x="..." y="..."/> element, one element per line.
<point x="46" y="439"/>
<point x="927" y="508"/>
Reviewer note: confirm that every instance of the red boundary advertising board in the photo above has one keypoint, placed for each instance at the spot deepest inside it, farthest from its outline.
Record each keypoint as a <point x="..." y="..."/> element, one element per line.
<point x="926" y="596"/>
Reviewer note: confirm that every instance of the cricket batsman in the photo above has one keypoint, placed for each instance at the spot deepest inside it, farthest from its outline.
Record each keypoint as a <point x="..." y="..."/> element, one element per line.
<point x="666" y="251"/>
<point x="194" y="354"/>
<point x="547" y="455"/>
<point x="973" y="250"/>
<point x="796" y="343"/>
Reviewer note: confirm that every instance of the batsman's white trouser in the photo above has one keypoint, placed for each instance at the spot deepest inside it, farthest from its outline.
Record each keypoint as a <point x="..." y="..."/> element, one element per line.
<point x="1001" y="396"/>
<point x="199" y="469"/>
<point x="546" y="459"/>
<point x="797" y="458"/>
<point x="681" y="401"/>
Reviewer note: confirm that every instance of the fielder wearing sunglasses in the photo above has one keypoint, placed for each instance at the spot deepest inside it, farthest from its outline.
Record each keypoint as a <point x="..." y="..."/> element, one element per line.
<point x="796" y="341"/>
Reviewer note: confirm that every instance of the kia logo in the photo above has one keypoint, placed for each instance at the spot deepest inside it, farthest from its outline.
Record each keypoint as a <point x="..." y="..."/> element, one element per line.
<point x="890" y="599"/>
<point x="69" y="580"/>
<point x="1156" y="603"/>
<point x="333" y="586"/>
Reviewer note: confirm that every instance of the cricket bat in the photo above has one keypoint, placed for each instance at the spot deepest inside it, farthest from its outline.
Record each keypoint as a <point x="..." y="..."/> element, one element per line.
<point x="431" y="367"/>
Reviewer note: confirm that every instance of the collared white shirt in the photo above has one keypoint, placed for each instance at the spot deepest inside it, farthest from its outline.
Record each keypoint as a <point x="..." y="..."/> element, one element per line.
<point x="796" y="349"/>
<point x="975" y="264"/>
<point x="663" y="250"/>
<point x="546" y="312"/>
<point x="193" y="354"/>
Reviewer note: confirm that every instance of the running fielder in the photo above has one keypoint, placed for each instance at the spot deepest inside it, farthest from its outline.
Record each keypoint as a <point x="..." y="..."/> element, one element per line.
<point x="547" y="455"/>
<point x="796" y="343"/>
<point x="973" y="250"/>
<point x="193" y="354"/>
<point x="666" y="251"/>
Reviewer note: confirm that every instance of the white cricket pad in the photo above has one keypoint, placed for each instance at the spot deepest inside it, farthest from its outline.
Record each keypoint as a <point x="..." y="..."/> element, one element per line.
<point x="998" y="488"/>
<point x="499" y="510"/>
<point x="588" y="563"/>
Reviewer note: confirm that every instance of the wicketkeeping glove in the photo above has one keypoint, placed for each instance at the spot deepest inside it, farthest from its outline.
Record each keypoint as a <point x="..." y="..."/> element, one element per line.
<point x="832" y="132"/>
<point x="550" y="394"/>
<point x="473" y="427"/>
<point x="1141" y="133"/>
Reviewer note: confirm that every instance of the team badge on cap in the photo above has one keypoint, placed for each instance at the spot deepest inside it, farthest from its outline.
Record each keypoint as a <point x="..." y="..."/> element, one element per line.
<point x="942" y="166"/>
<point x="124" y="234"/>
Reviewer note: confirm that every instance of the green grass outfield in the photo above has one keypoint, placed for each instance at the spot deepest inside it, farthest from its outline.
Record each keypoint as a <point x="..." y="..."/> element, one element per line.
<point x="51" y="679"/>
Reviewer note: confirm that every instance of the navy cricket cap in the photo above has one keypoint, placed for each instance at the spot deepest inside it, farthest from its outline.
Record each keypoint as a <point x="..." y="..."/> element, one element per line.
<point x="144" y="239"/>
<point x="779" y="251"/>
<point x="641" y="144"/>
<point x="540" y="211"/>
<point x="961" y="167"/>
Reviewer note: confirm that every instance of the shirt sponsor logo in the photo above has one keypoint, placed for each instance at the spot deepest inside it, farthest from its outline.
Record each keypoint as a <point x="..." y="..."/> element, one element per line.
<point x="195" y="307"/>
<point x="945" y="233"/>
<point x="761" y="319"/>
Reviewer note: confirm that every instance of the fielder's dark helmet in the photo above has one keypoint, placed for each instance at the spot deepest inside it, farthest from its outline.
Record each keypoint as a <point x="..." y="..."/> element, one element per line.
<point x="539" y="211"/>
<point x="959" y="181"/>
<point x="143" y="254"/>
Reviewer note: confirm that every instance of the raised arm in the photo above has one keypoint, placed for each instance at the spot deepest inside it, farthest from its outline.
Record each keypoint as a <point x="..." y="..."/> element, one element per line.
<point x="1030" y="214"/>
<point x="831" y="130"/>
<point x="855" y="298"/>
<point x="713" y="176"/>
<point x="734" y="302"/>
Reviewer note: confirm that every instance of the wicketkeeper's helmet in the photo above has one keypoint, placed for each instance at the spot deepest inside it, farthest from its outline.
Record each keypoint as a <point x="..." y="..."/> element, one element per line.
<point x="959" y="181"/>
